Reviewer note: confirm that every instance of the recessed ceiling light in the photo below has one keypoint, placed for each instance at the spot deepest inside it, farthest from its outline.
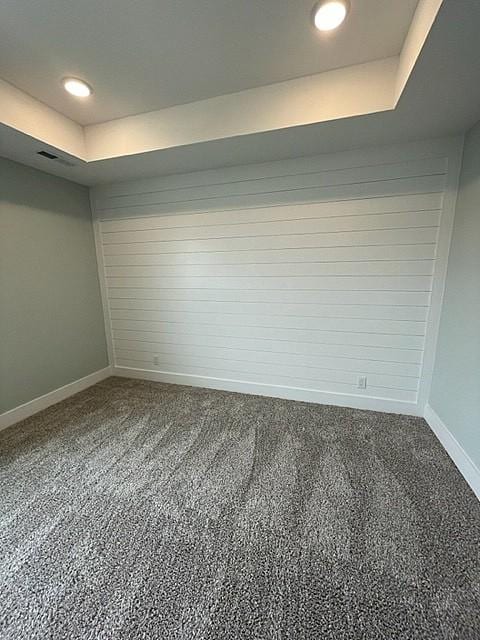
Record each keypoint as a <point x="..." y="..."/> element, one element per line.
<point x="77" y="87"/>
<point x="329" y="14"/>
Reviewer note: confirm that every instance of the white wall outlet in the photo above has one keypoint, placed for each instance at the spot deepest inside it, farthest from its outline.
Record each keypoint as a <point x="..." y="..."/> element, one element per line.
<point x="155" y="360"/>
<point x="362" y="382"/>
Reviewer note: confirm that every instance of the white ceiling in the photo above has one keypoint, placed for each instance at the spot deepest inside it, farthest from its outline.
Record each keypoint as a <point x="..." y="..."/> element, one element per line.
<point x="441" y="97"/>
<point x="144" y="55"/>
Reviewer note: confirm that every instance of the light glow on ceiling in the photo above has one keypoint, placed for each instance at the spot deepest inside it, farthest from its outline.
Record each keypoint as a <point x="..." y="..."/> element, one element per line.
<point x="329" y="14"/>
<point x="76" y="87"/>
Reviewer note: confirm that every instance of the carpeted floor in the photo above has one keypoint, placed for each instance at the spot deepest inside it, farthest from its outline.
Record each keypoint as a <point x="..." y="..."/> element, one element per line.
<point x="142" y="510"/>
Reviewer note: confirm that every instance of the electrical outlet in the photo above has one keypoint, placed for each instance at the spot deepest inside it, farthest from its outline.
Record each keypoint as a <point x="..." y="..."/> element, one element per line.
<point x="362" y="382"/>
<point x="155" y="360"/>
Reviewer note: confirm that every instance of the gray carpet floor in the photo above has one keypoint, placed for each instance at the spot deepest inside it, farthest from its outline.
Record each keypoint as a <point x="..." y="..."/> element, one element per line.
<point x="143" y="510"/>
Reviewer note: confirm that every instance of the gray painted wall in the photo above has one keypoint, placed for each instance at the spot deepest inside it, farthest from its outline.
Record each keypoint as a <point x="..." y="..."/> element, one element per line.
<point x="51" y="321"/>
<point x="455" y="395"/>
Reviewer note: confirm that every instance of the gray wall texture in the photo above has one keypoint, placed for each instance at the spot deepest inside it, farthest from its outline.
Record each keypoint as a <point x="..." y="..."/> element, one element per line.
<point x="455" y="395"/>
<point x="51" y="321"/>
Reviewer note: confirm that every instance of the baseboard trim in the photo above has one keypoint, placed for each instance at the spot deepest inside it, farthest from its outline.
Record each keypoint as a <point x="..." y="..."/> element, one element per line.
<point x="57" y="395"/>
<point x="290" y="393"/>
<point x="457" y="453"/>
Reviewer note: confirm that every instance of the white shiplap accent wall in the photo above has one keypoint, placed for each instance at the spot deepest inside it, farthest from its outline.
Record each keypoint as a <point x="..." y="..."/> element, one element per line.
<point x="292" y="279"/>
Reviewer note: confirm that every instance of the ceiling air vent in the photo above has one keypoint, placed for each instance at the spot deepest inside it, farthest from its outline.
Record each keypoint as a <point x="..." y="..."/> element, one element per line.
<point x="52" y="156"/>
<point x="48" y="155"/>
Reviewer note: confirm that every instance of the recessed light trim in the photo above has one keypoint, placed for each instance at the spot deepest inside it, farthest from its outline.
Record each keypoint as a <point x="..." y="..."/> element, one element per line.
<point x="76" y="87"/>
<point x="329" y="14"/>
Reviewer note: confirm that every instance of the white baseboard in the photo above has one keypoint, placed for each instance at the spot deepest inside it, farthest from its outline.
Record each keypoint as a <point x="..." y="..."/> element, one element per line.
<point x="457" y="453"/>
<point x="290" y="393"/>
<point x="38" y="404"/>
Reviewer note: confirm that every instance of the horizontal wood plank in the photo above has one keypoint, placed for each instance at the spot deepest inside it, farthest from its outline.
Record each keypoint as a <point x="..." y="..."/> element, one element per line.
<point x="302" y="274"/>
